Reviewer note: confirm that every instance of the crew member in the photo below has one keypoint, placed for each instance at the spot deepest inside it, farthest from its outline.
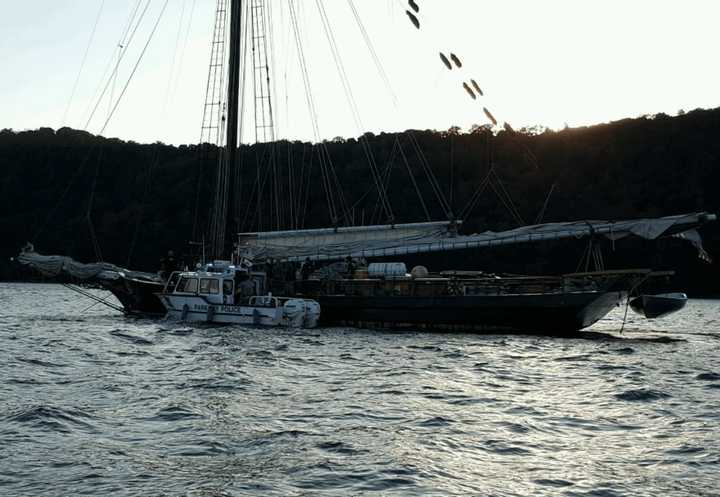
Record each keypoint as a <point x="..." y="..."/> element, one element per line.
<point x="168" y="265"/>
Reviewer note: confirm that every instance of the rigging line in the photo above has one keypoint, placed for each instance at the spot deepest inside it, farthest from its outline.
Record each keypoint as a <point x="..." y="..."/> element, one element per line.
<point x="112" y="58"/>
<point x="475" y="198"/>
<point x="541" y="214"/>
<point x="337" y="185"/>
<point x="376" y="59"/>
<point x="267" y="178"/>
<point x="261" y="178"/>
<point x="452" y="171"/>
<point x="290" y="186"/>
<point x="216" y="57"/>
<point x="353" y="106"/>
<point x="135" y="68"/>
<point x="212" y="107"/>
<point x="306" y="77"/>
<point x="120" y="58"/>
<point x="372" y="188"/>
<point x="386" y="176"/>
<point x="432" y="179"/>
<point x="174" y="57"/>
<point x="504" y="202"/>
<point x="312" y="110"/>
<point x="126" y="29"/>
<point x="268" y="27"/>
<point x="510" y="204"/>
<point x="413" y="180"/>
<point x="324" y="175"/>
<point x="185" y="43"/>
<point x="245" y="226"/>
<point x="148" y="183"/>
<point x="301" y="185"/>
<point x="89" y="295"/>
<point x="340" y="66"/>
<point x="82" y="64"/>
<point x="303" y="215"/>
<point x="74" y="178"/>
<point x="505" y="199"/>
<point x="91" y="202"/>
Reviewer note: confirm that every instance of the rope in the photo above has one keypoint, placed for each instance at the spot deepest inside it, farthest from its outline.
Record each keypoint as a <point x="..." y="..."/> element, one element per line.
<point x="371" y="48"/>
<point x="509" y="204"/>
<point x="124" y="48"/>
<point x="354" y="109"/>
<point x="89" y="295"/>
<point x="146" y="192"/>
<point x="88" y="214"/>
<point x="541" y="214"/>
<point x="135" y="68"/>
<point x="412" y="179"/>
<point x="475" y="198"/>
<point x="386" y="182"/>
<point x="323" y="155"/>
<point x="187" y="39"/>
<point x="112" y="59"/>
<point x="627" y="305"/>
<point x="439" y="195"/>
<point x="82" y="64"/>
<point x="174" y="57"/>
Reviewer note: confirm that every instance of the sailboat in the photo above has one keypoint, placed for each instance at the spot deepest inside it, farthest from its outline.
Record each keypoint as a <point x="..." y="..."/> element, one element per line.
<point x="329" y="266"/>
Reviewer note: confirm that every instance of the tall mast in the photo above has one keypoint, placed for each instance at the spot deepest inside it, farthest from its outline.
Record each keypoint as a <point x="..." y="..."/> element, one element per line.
<point x="233" y="106"/>
<point x="233" y="98"/>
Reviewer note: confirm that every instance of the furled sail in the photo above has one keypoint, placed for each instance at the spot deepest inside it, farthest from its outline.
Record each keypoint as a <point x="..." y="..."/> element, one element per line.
<point x="383" y="241"/>
<point x="58" y="265"/>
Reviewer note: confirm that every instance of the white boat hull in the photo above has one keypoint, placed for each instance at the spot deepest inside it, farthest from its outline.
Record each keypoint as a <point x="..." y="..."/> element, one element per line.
<point x="294" y="313"/>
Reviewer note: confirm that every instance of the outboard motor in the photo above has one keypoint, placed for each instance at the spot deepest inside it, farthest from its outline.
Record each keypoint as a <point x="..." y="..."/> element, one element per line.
<point x="294" y="313"/>
<point x="312" y="314"/>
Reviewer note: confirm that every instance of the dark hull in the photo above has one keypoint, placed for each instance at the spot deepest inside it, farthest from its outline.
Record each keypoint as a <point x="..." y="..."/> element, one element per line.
<point x="138" y="297"/>
<point x="543" y="313"/>
<point x="547" y="312"/>
<point x="657" y="306"/>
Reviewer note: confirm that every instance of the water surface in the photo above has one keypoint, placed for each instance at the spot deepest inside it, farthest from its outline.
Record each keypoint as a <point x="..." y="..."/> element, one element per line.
<point x="92" y="403"/>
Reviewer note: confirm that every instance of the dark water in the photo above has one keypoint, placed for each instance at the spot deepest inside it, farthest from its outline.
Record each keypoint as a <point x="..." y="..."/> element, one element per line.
<point x="95" y="404"/>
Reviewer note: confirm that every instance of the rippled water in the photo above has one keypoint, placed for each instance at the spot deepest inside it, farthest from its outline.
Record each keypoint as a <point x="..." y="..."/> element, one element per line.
<point x="96" y="404"/>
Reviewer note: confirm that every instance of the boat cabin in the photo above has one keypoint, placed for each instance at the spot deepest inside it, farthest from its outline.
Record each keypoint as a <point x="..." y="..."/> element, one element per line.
<point x="219" y="283"/>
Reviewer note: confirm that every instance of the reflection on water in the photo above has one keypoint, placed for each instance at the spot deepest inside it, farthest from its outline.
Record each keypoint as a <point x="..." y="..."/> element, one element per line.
<point x="96" y="403"/>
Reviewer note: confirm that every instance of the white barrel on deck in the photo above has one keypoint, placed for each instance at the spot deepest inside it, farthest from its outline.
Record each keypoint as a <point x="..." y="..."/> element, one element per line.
<point x="387" y="270"/>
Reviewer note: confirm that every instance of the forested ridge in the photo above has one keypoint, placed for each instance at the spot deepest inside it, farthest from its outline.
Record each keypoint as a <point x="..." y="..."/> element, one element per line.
<point x="57" y="187"/>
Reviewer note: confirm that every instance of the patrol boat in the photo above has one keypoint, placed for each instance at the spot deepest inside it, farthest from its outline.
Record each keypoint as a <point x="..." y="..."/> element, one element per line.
<point x="223" y="293"/>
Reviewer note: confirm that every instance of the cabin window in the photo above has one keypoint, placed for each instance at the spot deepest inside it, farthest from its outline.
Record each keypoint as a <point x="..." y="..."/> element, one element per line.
<point x="227" y="287"/>
<point x="188" y="285"/>
<point x="209" y="285"/>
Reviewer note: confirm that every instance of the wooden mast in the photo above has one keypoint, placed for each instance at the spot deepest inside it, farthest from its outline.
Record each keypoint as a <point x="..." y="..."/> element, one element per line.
<point x="233" y="104"/>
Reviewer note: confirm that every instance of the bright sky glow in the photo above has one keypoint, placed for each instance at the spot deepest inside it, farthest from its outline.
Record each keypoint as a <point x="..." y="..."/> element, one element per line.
<point x="550" y="63"/>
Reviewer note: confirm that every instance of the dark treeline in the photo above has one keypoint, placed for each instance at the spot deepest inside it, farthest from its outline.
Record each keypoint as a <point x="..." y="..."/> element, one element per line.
<point x="140" y="200"/>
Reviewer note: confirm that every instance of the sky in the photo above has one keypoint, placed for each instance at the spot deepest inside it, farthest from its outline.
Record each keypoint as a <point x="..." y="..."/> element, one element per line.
<point x="539" y="63"/>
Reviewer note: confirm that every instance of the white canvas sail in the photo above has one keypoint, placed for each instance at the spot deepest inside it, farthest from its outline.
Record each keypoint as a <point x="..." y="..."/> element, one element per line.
<point x="383" y="241"/>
